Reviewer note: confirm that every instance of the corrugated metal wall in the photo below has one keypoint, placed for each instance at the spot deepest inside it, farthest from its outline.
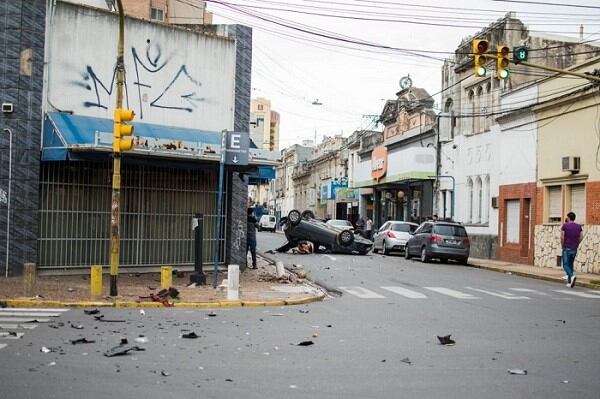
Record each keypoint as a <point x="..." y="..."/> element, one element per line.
<point x="157" y="205"/>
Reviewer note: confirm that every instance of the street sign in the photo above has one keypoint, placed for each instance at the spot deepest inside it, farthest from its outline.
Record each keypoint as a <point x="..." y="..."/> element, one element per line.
<point x="236" y="148"/>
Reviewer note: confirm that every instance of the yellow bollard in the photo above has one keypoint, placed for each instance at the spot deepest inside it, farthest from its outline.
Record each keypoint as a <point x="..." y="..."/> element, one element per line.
<point x="96" y="282"/>
<point x="166" y="277"/>
<point x="29" y="279"/>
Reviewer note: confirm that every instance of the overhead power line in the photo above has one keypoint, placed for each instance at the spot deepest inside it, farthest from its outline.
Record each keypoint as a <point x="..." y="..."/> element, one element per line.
<point x="547" y="4"/>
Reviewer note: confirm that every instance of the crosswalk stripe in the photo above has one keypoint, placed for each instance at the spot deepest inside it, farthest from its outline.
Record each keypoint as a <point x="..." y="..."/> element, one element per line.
<point x="579" y="294"/>
<point x="452" y="293"/>
<point x="528" y="290"/>
<point x="405" y="292"/>
<point x="504" y="295"/>
<point x="29" y="314"/>
<point x="52" y="310"/>
<point x="362" y="292"/>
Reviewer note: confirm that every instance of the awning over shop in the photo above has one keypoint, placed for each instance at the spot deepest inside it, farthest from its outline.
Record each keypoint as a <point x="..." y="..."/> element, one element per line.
<point x="67" y="136"/>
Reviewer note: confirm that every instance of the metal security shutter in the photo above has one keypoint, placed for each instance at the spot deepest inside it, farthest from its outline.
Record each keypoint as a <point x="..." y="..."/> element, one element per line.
<point x="554" y="204"/>
<point x="578" y="201"/>
<point x="512" y="221"/>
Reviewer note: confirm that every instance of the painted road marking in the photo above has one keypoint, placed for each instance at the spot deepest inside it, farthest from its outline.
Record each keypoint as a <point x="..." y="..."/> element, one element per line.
<point x="450" y="292"/>
<point x="362" y="292"/>
<point x="504" y="295"/>
<point x="405" y="292"/>
<point x="17" y="326"/>
<point x="43" y="310"/>
<point x="579" y="294"/>
<point x="2" y="346"/>
<point x="4" y="313"/>
<point x="528" y="290"/>
<point x="11" y="335"/>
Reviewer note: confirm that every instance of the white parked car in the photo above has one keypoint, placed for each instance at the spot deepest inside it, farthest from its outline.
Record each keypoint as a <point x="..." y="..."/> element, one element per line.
<point x="267" y="222"/>
<point x="392" y="236"/>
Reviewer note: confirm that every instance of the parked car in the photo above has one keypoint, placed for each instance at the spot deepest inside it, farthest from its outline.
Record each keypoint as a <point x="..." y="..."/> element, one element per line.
<point x="346" y="224"/>
<point x="304" y="227"/>
<point x="392" y="236"/>
<point x="441" y="240"/>
<point x="267" y="222"/>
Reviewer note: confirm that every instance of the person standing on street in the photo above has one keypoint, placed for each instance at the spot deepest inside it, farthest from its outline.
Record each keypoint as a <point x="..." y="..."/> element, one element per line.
<point x="368" y="228"/>
<point x="360" y="225"/>
<point x="570" y="237"/>
<point x="251" y="236"/>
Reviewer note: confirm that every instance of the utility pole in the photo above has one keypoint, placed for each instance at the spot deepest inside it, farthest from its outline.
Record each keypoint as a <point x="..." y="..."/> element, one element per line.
<point x="115" y="212"/>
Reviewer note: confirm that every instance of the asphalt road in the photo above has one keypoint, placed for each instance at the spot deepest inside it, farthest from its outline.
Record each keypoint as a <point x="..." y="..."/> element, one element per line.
<point x="363" y="341"/>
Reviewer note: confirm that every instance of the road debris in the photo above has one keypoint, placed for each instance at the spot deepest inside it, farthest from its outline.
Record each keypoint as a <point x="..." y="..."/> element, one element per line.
<point x="446" y="340"/>
<point x="517" y="371"/>
<point x="91" y="311"/>
<point x="306" y="343"/>
<point x="212" y="314"/>
<point x="165" y="373"/>
<point x="101" y="318"/>
<point x="77" y="327"/>
<point x="191" y="335"/>
<point x="407" y="361"/>
<point x="304" y="311"/>
<point x="81" y="341"/>
<point x="142" y="339"/>
<point x="142" y="312"/>
<point x="163" y="296"/>
<point x="122" y="349"/>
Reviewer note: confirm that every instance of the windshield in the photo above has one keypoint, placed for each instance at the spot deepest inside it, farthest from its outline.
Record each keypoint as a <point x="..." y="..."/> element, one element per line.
<point x="450" y="230"/>
<point x="403" y="227"/>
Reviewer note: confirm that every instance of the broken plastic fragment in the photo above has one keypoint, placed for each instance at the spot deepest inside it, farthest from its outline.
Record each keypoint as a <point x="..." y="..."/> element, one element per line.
<point x="211" y="314"/>
<point x="406" y="360"/>
<point x="165" y="373"/>
<point x="92" y="311"/>
<point x="101" y="318"/>
<point x="517" y="371"/>
<point x="45" y="350"/>
<point x="191" y="335"/>
<point x="142" y="340"/>
<point x="142" y="312"/>
<point x="446" y="340"/>
<point x="77" y="327"/>
<point x="306" y="343"/>
<point x="81" y="341"/>
<point x="303" y="310"/>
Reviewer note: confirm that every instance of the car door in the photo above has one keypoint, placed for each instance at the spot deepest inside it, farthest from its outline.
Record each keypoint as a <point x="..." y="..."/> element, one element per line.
<point x="378" y="239"/>
<point x="413" y="241"/>
<point x="423" y="236"/>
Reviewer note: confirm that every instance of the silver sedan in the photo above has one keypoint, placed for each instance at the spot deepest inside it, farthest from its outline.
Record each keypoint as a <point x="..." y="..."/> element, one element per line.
<point x="392" y="236"/>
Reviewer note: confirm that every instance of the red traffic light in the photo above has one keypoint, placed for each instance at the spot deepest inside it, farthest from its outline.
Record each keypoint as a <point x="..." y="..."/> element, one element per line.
<point x="482" y="46"/>
<point x="504" y="50"/>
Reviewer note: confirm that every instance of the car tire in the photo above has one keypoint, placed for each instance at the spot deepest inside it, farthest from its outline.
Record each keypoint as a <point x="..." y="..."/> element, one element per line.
<point x="464" y="261"/>
<point x="406" y="253"/>
<point x="294" y="217"/>
<point x="308" y="214"/>
<point x="386" y="251"/>
<point x="424" y="257"/>
<point x="345" y="238"/>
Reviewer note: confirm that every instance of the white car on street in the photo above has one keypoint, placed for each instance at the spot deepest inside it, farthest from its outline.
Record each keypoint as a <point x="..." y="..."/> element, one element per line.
<point x="267" y="222"/>
<point x="392" y="236"/>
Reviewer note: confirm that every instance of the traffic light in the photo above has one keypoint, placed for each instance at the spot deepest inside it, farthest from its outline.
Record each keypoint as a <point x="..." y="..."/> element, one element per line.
<point x="122" y="129"/>
<point x="480" y="48"/>
<point x="520" y="54"/>
<point x="502" y="70"/>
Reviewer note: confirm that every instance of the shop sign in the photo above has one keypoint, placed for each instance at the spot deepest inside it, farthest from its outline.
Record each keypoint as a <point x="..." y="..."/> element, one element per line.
<point x="311" y="194"/>
<point x="324" y="193"/>
<point x="346" y="194"/>
<point x="379" y="162"/>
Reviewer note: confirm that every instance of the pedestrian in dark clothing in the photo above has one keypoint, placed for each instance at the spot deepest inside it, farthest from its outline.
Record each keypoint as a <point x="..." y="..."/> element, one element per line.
<point x="251" y="236"/>
<point x="570" y="237"/>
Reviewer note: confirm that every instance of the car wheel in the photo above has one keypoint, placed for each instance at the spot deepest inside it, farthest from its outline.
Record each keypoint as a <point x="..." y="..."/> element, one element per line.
<point x="443" y="260"/>
<point x="386" y="251"/>
<point x="308" y="214"/>
<point x="424" y="257"/>
<point x="294" y="217"/>
<point x="346" y="238"/>
<point x="406" y="253"/>
<point x="464" y="261"/>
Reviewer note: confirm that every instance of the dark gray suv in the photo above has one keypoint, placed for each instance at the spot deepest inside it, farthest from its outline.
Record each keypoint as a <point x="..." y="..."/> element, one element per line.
<point x="441" y="240"/>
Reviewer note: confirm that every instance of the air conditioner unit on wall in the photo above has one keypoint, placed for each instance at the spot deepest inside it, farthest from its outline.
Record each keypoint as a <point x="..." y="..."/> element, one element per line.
<point x="571" y="164"/>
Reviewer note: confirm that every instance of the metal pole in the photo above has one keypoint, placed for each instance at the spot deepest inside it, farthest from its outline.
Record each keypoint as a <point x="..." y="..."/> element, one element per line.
<point x="8" y="203"/>
<point x="451" y="194"/>
<point x="115" y="214"/>
<point x="198" y="276"/>
<point x="219" y="208"/>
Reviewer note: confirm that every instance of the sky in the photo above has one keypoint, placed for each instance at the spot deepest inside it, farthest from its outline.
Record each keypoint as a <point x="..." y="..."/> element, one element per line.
<point x="349" y="55"/>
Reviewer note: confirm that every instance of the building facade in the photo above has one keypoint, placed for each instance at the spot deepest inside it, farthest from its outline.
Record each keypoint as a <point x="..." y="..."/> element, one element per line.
<point x="568" y="177"/>
<point x="470" y="136"/>
<point x="264" y="124"/>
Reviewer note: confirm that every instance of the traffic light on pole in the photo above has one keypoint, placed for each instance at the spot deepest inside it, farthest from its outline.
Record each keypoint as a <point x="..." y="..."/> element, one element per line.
<point x="121" y="130"/>
<point x="502" y="70"/>
<point x="480" y="48"/>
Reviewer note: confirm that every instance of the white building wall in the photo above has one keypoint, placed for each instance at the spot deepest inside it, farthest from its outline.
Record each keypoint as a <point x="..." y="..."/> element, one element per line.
<point x="173" y="76"/>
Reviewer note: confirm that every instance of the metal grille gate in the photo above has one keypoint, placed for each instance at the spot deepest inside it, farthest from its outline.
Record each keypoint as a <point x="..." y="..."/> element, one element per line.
<point x="157" y="204"/>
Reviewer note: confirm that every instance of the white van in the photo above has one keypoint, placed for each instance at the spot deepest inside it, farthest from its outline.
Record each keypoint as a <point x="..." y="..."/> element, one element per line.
<point x="267" y="222"/>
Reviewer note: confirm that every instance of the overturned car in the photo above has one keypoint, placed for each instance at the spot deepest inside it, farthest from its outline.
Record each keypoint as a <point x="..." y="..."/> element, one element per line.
<point x="304" y="227"/>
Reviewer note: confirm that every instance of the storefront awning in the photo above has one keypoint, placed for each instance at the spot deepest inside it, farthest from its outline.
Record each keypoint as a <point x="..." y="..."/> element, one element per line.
<point x="66" y="136"/>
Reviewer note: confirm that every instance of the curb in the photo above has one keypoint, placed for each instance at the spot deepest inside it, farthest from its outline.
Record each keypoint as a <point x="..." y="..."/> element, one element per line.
<point x="26" y="303"/>
<point x="534" y="276"/>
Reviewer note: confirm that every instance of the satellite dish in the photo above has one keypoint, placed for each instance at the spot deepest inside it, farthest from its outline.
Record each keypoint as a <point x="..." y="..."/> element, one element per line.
<point x="405" y="82"/>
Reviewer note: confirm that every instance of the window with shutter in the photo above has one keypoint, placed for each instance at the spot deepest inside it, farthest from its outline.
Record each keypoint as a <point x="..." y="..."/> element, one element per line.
<point x="554" y="204"/>
<point x="577" y="200"/>
<point x="512" y="221"/>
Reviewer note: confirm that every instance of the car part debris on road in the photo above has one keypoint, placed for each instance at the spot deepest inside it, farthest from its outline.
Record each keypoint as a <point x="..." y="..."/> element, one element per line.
<point x="446" y="340"/>
<point x="81" y="341"/>
<point x="517" y="372"/>
<point x="191" y="335"/>
<point x="306" y="343"/>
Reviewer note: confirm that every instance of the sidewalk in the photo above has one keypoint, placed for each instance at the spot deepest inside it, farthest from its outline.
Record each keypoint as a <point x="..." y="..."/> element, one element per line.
<point x="587" y="280"/>
<point x="257" y="288"/>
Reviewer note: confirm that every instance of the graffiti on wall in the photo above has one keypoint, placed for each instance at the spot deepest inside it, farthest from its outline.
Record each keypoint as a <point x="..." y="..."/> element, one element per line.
<point x="157" y="82"/>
